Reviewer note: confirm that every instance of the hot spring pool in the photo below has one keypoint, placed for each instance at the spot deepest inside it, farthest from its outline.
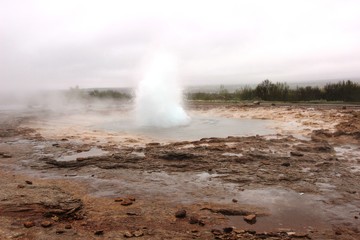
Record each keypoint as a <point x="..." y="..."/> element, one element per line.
<point x="199" y="127"/>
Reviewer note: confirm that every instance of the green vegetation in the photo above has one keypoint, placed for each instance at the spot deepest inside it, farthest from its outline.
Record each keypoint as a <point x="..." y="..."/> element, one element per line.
<point x="346" y="91"/>
<point x="112" y="94"/>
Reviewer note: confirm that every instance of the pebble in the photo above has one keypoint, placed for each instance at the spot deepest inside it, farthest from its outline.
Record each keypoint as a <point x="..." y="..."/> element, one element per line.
<point x="234" y="200"/>
<point x="126" y="202"/>
<point x="193" y="220"/>
<point x="29" y="224"/>
<point x="99" y="233"/>
<point x="181" y="213"/>
<point x="138" y="233"/>
<point x="68" y="226"/>
<point x="28" y="182"/>
<point x="285" y="164"/>
<point x="251" y="218"/>
<point x="46" y="224"/>
<point x="128" y="234"/>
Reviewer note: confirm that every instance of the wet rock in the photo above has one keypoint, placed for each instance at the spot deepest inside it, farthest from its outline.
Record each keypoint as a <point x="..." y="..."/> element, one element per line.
<point x="20" y="186"/>
<point x="296" y="154"/>
<point x="59" y="231"/>
<point x="28" y="182"/>
<point x="29" y="224"/>
<point x="285" y="164"/>
<point x="181" y="213"/>
<point x="251" y="218"/>
<point x="99" y="232"/>
<point x="234" y="200"/>
<point x="46" y="224"/>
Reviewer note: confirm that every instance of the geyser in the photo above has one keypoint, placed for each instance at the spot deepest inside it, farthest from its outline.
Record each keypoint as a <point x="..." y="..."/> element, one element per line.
<point x="159" y="96"/>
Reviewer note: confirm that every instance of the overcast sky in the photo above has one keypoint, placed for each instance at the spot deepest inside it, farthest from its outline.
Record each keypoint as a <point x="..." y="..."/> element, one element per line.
<point x="59" y="44"/>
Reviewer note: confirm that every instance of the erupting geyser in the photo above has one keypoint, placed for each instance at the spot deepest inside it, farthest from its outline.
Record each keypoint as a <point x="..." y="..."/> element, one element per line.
<point x="159" y="96"/>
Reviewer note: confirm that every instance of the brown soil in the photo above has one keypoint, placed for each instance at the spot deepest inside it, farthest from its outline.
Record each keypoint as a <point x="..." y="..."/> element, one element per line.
<point x="257" y="187"/>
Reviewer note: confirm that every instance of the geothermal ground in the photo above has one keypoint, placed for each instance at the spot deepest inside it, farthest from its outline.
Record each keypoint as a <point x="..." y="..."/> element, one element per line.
<point x="64" y="176"/>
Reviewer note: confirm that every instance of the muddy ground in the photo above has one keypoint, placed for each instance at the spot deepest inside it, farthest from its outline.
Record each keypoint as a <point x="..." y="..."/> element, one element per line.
<point x="61" y="179"/>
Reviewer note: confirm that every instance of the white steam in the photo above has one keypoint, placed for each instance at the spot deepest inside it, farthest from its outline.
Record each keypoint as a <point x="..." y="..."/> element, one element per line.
<point x="159" y="96"/>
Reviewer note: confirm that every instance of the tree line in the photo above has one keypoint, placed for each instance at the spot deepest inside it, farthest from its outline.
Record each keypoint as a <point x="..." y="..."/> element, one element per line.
<point x="346" y="91"/>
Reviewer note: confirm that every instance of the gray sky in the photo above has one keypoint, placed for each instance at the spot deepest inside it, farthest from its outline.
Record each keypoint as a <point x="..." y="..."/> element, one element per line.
<point x="59" y="44"/>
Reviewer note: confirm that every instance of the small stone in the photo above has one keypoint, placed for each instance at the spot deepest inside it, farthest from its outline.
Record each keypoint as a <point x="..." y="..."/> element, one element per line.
<point x="201" y="223"/>
<point x="29" y="224"/>
<point x="68" y="226"/>
<point x="285" y="164"/>
<point x="234" y="200"/>
<point x="118" y="199"/>
<point x="296" y="154"/>
<point x="126" y="202"/>
<point x="251" y="218"/>
<point x="131" y="198"/>
<point x="20" y="186"/>
<point x="356" y="217"/>
<point x="128" y="234"/>
<point x="138" y="233"/>
<point x="46" y="224"/>
<point x="216" y="232"/>
<point x="5" y="155"/>
<point x="193" y="220"/>
<point x="228" y="229"/>
<point x="59" y="231"/>
<point x="99" y="233"/>
<point x="181" y="213"/>
<point x="28" y="182"/>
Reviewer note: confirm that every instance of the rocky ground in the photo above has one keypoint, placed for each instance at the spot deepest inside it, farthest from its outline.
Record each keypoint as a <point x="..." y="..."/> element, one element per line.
<point x="62" y="180"/>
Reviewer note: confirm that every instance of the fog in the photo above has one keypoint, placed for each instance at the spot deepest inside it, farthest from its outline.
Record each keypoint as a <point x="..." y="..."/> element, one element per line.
<point x="92" y="44"/>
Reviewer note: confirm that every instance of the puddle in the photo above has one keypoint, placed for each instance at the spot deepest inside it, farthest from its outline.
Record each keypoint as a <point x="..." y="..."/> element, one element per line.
<point x="288" y="210"/>
<point x="93" y="152"/>
<point x="200" y="127"/>
<point x="349" y="154"/>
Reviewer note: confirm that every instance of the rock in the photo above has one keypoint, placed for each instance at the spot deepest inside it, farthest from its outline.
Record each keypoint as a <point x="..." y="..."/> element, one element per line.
<point x="20" y="186"/>
<point x="285" y="164"/>
<point x="128" y="234"/>
<point x="193" y="220"/>
<point x="5" y="155"/>
<point x="234" y="200"/>
<point x="28" y="182"/>
<point x="256" y="102"/>
<point x="251" y="218"/>
<point x="296" y="154"/>
<point x="60" y="231"/>
<point x="126" y="202"/>
<point x="138" y="233"/>
<point x="181" y="213"/>
<point x="216" y="232"/>
<point x="201" y="223"/>
<point x="228" y="229"/>
<point x="46" y="224"/>
<point x="99" y="232"/>
<point x="118" y="199"/>
<point x="68" y="226"/>
<point x="29" y="224"/>
<point x="131" y="198"/>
